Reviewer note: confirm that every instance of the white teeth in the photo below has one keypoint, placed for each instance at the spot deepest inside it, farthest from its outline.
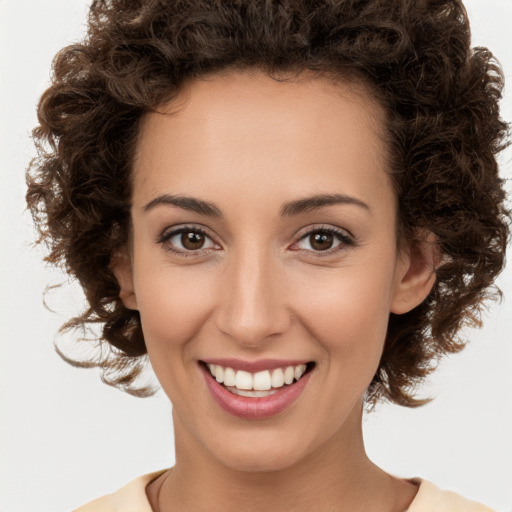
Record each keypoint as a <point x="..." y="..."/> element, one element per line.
<point x="277" y="378"/>
<point x="252" y="393"/>
<point x="243" y="380"/>
<point x="219" y="374"/>
<point x="299" y="371"/>
<point x="262" y="381"/>
<point x="229" y="377"/>
<point x="253" y="384"/>
<point x="289" y="375"/>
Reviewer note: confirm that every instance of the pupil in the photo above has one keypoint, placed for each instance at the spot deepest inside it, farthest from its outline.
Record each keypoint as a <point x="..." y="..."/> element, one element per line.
<point x="192" y="240"/>
<point x="322" y="241"/>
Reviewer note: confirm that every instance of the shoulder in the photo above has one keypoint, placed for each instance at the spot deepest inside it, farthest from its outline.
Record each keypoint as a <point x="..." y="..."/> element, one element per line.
<point x="130" y="498"/>
<point x="432" y="499"/>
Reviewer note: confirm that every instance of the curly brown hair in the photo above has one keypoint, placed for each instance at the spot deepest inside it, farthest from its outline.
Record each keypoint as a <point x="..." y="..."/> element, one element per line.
<point x="444" y="132"/>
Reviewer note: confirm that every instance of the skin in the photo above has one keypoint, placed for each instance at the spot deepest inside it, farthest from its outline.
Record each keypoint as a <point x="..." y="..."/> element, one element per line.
<point x="259" y="288"/>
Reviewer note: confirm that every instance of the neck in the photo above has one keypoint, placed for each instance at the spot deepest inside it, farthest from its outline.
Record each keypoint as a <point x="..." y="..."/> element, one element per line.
<point x="335" y="476"/>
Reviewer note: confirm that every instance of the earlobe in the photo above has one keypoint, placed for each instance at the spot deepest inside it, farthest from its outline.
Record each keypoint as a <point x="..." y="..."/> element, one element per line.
<point x="416" y="274"/>
<point x="121" y="266"/>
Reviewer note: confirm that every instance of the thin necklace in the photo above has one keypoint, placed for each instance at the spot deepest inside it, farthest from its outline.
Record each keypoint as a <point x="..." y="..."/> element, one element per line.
<point x="158" y="504"/>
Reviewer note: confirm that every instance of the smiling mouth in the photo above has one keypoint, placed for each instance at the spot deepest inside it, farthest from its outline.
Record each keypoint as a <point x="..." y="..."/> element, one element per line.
<point x="259" y="384"/>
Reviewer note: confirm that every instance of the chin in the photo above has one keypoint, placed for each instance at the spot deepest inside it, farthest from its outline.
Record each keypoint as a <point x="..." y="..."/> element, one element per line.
<point x="258" y="461"/>
<point x="261" y="452"/>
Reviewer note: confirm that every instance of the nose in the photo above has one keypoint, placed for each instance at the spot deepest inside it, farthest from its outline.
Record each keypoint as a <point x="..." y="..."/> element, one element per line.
<point x="252" y="305"/>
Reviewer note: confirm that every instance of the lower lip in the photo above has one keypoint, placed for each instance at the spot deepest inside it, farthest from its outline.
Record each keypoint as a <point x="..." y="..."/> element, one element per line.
<point x="254" y="408"/>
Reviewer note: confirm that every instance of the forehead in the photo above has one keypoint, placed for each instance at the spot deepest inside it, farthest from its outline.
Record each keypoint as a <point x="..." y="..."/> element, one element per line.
<point x="248" y="126"/>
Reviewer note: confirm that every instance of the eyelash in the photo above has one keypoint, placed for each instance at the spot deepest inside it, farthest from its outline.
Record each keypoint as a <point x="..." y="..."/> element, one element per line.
<point x="345" y="239"/>
<point x="185" y="229"/>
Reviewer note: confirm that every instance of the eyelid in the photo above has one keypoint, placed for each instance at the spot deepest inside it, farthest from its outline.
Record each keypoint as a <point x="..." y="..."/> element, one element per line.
<point x="345" y="238"/>
<point x="172" y="231"/>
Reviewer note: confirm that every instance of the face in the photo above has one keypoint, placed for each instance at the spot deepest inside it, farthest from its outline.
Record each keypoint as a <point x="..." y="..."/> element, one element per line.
<point x="264" y="239"/>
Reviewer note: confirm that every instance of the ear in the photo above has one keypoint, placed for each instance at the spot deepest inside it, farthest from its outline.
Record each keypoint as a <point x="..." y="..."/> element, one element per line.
<point x="121" y="266"/>
<point x="416" y="273"/>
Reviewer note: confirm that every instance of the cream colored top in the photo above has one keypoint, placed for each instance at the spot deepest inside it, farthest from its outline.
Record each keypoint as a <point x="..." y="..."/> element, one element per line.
<point x="132" y="498"/>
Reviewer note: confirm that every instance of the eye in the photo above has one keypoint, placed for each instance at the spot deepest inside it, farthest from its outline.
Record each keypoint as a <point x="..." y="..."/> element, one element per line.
<point x="187" y="239"/>
<point x="328" y="240"/>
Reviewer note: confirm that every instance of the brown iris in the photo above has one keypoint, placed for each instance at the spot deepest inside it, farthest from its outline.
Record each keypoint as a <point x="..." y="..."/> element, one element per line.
<point x="321" y="240"/>
<point x="192" y="240"/>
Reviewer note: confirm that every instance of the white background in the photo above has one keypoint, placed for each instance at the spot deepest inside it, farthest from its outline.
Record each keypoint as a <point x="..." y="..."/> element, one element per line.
<point x="66" y="438"/>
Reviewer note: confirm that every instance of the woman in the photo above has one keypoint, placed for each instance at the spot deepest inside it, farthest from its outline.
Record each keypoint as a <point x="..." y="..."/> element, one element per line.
<point x="292" y="209"/>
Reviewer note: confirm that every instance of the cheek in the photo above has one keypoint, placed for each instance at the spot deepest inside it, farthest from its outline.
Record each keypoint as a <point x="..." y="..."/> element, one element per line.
<point x="174" y="304"/>
<point x="347" y="312"/>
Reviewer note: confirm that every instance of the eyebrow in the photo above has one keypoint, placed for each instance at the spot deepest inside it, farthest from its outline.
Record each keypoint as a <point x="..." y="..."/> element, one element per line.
<point x="289" y="209"/>
<point x="186" y="203"/>
<point x="318" y="201"/>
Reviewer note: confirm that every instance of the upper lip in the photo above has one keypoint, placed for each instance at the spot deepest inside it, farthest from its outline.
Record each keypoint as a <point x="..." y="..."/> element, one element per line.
<point x="254" y="366"/>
